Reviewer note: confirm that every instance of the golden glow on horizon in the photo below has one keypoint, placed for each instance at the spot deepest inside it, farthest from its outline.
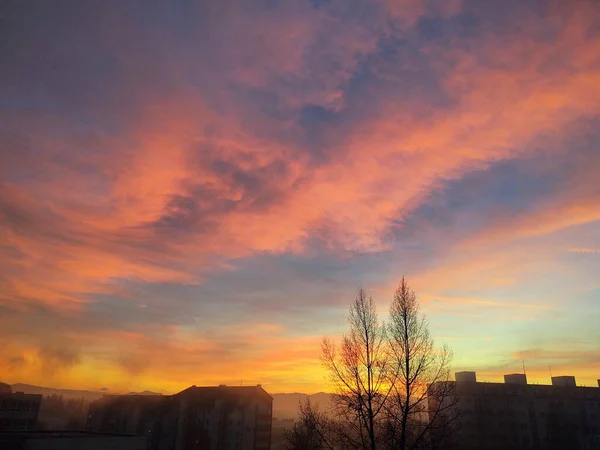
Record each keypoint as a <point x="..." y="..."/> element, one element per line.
<point x="139" y="238"/>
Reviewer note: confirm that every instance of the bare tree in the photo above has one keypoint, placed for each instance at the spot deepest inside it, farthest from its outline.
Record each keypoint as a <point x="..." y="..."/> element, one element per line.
<point x="392" y="385"/>
<point x="313" y="430"/>
<point x="301" y="437"/>
<point x="360" y="372"/>
<point x="420" y="412"/>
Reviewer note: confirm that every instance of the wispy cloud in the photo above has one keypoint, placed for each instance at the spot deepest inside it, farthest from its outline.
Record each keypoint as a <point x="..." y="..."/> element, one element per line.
<point x="481" y="302"/>
<point x="150" y="174"/>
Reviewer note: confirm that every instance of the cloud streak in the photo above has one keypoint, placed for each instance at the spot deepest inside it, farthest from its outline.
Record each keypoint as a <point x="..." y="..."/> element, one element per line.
<point x="155" y="172"/>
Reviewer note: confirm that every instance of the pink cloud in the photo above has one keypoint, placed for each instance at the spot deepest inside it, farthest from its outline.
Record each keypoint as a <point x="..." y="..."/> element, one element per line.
<point x="212" y="163"/>
<point x="381" y="170"/>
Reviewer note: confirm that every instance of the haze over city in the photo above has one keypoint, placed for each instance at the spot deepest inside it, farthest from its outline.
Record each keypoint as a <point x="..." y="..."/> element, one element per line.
<point x="191" y="193"/>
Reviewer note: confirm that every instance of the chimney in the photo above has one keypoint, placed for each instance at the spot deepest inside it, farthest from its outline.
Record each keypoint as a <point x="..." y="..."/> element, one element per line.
<point x="465" y="377"/>
<point x="515" y="378"/>
<point x="566" y="380"/>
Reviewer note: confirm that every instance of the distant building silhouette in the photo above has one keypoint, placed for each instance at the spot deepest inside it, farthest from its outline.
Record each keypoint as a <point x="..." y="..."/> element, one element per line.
<point x="18" y="411"/>
<point x="516" y="415"/>
<point x="207" y="418"/>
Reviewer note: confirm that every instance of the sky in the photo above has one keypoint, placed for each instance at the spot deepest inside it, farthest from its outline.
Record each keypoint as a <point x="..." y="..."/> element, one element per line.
<point x="191" y="192"/>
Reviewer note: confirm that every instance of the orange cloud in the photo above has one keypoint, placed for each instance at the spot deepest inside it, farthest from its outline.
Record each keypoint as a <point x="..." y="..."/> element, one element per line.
<point x="541" y="365"/>
<point x="260" y="353"/>
<point x="217" y="160"/>
<point x="385" y="169"/>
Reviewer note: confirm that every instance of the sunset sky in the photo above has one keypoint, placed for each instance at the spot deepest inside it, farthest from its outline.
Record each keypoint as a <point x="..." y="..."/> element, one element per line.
<point x="192" y="191"/>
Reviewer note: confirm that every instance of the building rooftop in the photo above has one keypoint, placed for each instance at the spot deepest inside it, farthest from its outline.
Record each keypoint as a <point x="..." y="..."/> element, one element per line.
<point x="520" y="379"/>
<point x="207" y="394"/>
<point x="515" y="378"/>
<point x="215" y="391"/>
<point x="466" y="377"/>
<point x="567" y="380"/>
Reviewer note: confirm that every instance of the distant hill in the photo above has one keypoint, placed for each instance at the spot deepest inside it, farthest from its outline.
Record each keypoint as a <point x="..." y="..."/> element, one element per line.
<point x="66" y="393"/>
<point x="285" y="406"/>
<point x="70" y="393"/>
<point x="144" y="393"/>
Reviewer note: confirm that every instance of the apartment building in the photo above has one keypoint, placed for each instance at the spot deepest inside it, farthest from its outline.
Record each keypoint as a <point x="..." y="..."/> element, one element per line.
<point x="515" y="415"/>
<point x="207" y="418"/>
<point x="18" y="411"/>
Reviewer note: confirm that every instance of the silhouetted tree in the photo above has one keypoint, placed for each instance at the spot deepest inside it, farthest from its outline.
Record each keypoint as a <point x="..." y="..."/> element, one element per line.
<point x="392" y="384"/>
<point x="58" y="412"/>
<point x="360" y="372"/>
<point x="421" y="410"/>
<point x="309" y="432"/>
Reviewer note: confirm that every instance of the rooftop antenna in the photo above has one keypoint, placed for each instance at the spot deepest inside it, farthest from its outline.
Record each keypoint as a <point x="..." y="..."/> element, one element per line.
<point x="550" y="369"/>
<point x="523" y="362"/>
